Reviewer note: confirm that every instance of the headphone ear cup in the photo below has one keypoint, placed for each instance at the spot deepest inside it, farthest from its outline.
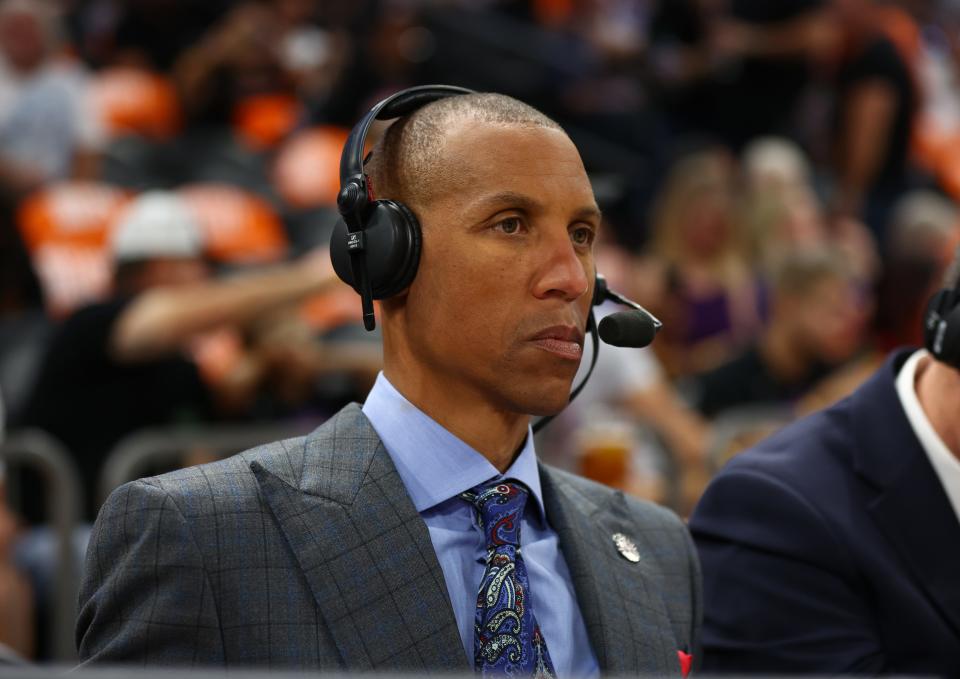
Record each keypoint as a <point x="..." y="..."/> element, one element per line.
<point x="949" y="342"/>
<point x="941" y="328"/>
<point x="410" y="240"/>
<point x="391" y="250"/>
<point x="340" y="256"/>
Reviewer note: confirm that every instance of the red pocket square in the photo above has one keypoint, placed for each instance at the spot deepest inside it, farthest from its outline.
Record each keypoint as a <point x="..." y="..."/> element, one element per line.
<point x="686" y="660"/>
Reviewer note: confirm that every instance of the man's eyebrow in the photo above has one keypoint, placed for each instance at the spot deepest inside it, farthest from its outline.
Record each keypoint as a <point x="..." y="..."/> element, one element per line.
<point x="526" y="203"/>
<point x="590" y="212"/>
<point x="506" y="198"/>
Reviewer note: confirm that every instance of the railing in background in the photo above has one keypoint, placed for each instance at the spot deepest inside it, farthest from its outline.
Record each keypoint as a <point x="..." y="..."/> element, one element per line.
<point x="39" y="450"/>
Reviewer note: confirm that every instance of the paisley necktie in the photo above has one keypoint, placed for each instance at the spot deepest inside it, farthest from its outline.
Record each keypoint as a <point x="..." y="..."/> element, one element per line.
<point x="507" y="638"/>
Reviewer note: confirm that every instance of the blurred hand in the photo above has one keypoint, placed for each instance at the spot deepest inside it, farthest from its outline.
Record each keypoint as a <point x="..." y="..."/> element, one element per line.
<point x="21" y="177"/>
<point x="290" y="354"/>
<point x="248" y="26"/>
<point x="316" y="265"/>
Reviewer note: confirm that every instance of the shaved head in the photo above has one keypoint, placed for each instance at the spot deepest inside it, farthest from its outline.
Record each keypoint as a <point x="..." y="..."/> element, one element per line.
<point x="408" y="163"/>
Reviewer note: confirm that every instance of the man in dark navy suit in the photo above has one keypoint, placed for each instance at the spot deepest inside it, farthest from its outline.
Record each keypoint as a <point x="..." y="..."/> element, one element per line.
<point x="834" y="546"/>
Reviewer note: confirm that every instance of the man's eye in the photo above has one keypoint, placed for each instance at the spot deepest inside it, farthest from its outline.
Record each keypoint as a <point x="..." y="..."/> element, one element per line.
<point x="582" y="236"/>
<point x="509" y="226"/>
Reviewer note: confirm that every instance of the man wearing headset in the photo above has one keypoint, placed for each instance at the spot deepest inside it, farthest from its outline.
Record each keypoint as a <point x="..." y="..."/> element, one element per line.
<point x="419" y="532"/>
<point x="834" y="546"/>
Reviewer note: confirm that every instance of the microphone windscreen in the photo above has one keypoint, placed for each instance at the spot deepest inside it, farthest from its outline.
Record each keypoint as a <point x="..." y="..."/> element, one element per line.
<point x="627" y="329"/>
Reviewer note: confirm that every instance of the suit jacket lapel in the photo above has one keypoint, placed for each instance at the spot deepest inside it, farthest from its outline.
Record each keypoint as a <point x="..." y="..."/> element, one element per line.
<point x="627" y="623"/>
<point x="363" y="548"/>
<point x="909" y="505"/>
<point x="918" y="520"/>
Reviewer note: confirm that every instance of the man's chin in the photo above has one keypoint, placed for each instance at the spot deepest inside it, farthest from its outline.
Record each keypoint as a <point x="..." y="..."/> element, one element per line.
<point x="537" y="393"/>
<point x="549" y="405"/>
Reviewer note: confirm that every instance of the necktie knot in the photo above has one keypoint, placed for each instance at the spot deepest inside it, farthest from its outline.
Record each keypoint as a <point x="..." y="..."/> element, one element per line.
<point x="499" y="508"/>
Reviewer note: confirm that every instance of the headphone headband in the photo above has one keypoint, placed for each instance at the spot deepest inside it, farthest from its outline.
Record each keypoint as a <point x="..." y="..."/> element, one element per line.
<point x="353" y="182"/>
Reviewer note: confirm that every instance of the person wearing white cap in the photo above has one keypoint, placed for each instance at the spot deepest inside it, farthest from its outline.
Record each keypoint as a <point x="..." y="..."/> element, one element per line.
<point x="157" y="224"/>
<point x="156" y="240"/>
<point x="120" y="365"/>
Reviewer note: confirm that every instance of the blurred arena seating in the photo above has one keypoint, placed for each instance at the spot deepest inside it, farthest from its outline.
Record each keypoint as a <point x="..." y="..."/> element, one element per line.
<point x="135" y="102"/>
<point x="238" y="227"/>
<point x="65" y="227"/>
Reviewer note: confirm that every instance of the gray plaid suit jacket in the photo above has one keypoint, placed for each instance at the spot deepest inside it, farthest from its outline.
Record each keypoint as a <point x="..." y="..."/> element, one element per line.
<point x="308" y="553"/>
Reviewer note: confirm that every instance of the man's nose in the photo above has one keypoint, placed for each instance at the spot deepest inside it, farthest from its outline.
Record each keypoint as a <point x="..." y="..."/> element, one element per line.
<point x="563" y="272"/>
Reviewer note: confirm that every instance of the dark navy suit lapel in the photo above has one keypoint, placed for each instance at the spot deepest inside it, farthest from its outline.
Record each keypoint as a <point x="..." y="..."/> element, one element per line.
<point x="364" y="549"/>
<point x="909" y="504"/>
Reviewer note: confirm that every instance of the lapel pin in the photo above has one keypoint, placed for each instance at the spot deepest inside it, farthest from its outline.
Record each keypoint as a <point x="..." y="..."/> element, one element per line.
<point x="627" y="548"/>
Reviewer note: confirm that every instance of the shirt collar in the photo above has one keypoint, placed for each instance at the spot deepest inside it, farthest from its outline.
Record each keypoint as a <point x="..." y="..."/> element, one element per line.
<point x="434" y="464"/>
<point x="944" y="463"/>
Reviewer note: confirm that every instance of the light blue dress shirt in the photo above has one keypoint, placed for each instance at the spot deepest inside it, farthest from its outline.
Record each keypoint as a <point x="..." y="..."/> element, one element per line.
<point x="436" y="467"/>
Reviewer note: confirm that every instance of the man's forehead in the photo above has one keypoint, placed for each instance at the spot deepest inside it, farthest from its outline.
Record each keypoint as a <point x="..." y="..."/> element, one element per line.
<point x="492" y="158"/>
<point x="503" y="137"/>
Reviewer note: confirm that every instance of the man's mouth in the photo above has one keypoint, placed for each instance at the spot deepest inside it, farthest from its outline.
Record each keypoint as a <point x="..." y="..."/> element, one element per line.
<point x="565" y="341"/>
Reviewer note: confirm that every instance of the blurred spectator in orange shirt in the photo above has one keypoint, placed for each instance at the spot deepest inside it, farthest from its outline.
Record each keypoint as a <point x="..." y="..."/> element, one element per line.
<point x="117" y="366"/>
<point x="273" y="56"/>
<point x="238" y="57"/>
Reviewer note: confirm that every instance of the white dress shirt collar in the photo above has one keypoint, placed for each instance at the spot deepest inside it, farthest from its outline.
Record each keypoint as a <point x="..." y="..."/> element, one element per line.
<point x="945" y="464"/>
<point x="434" y="464"/>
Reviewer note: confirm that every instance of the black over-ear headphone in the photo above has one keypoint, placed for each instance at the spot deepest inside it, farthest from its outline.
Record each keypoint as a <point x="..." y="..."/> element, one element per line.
<point x="375" y="247"/>
<point x="941" y="326"/>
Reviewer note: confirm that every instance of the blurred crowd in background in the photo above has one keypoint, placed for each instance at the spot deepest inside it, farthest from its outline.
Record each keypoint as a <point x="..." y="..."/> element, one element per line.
<point x="778" y="180"/>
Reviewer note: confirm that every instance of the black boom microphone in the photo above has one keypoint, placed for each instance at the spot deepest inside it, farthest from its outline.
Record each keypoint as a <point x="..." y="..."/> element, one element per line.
<point x="635" y="328"/>
<point x="627" y="329"/>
